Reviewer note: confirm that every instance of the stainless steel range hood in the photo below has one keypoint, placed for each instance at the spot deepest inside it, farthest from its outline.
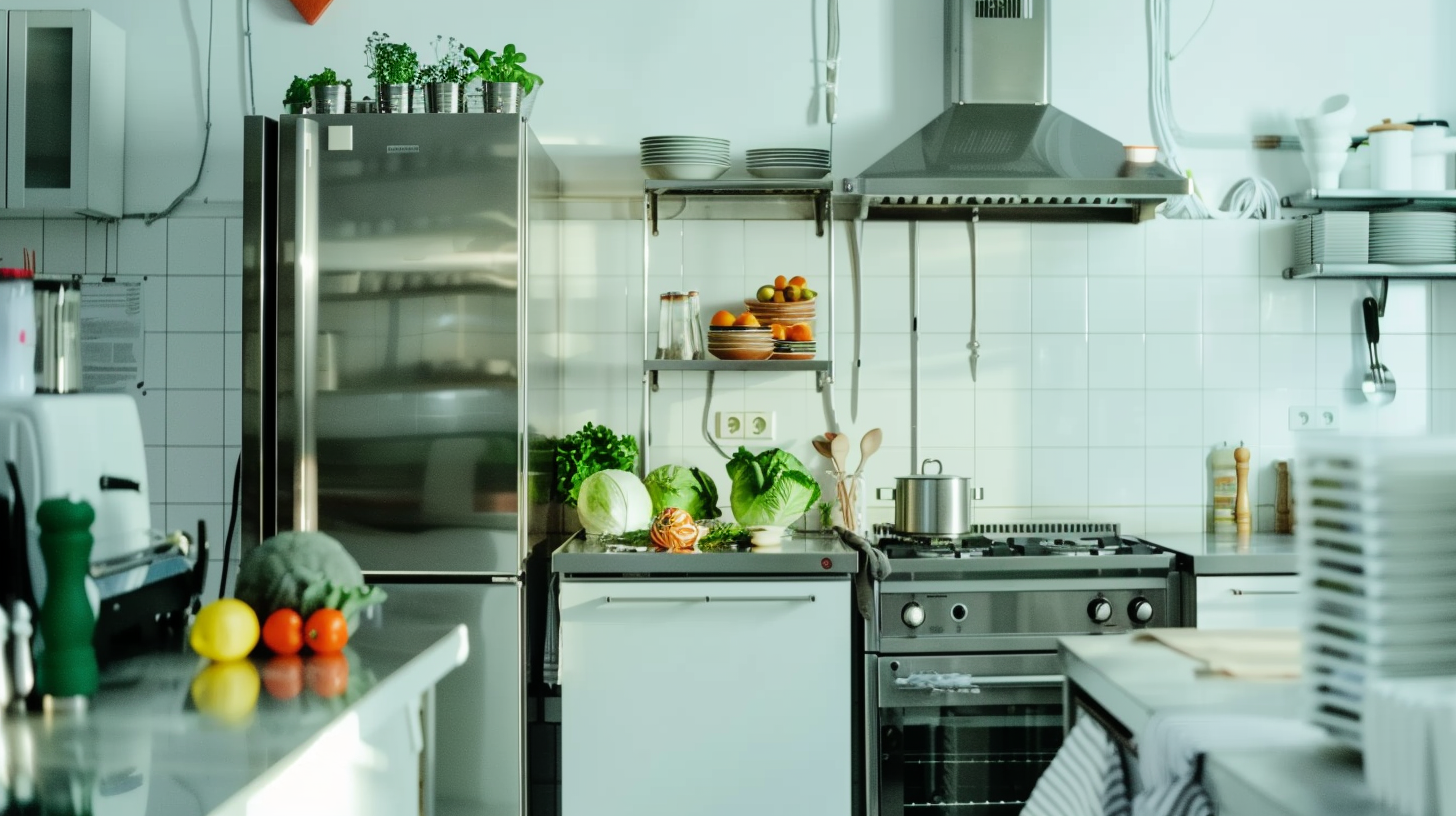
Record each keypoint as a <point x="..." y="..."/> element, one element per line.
<point x="999" y="149"/>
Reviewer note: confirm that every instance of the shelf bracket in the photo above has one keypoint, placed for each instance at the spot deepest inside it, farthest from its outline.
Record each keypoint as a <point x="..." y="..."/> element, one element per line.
<point x="651" y="378"/>
<point x="1382" y="295"/>
<point x="652" y="215"/>
<point x="821" y="213"/>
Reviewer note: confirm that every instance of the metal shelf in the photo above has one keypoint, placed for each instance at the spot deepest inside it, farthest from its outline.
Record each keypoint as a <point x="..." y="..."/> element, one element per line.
<point x="750" y="186"/>
<point x="1371" y="270"/>
<point x="739" y="200"/>
<point x="735" y="365"/>
<point x="1373" y="199"/>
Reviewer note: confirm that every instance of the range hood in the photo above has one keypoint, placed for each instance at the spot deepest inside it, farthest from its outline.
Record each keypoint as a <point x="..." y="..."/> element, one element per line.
<point x="999" y="149"/>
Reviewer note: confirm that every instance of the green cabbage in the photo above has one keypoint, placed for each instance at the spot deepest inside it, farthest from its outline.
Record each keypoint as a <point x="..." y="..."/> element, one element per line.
<point x="687" y="489"/>
<point x="613" y="502"/>
<point x="771" y="489"/>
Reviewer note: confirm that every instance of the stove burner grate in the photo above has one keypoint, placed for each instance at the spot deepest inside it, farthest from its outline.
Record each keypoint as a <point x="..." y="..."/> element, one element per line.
<point x="1100" y="543"/>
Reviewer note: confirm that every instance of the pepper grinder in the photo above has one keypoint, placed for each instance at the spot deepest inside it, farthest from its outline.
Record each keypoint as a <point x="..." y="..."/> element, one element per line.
<point x="1243" y="523"/>
<point x="68" y="672"/>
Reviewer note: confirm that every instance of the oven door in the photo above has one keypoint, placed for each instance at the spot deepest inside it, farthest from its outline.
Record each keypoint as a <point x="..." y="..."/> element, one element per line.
<point x="950" y="751"/>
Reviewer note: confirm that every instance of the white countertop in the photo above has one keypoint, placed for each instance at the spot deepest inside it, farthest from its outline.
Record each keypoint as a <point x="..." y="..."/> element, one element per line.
<point x="1231" y="554"/>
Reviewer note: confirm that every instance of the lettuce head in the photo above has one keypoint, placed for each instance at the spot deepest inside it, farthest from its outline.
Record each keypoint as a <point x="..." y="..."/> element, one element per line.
<point x="772" y="488"/>
<point x="685" y="488"/>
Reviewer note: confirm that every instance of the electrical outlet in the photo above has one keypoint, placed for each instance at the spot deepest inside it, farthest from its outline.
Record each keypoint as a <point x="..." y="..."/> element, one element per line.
<point x="729" y="425"/>
<point x="759" y="426"/>
<point x="1314" y="418"/>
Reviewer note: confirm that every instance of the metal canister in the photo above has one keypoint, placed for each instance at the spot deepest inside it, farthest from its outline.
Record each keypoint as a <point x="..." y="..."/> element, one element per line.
<point x="933" y="504"/>
<point x="58" y="336"/>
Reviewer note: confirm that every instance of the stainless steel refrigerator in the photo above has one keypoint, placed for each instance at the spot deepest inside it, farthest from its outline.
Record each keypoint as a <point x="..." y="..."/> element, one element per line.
<point x="401" y="382"/>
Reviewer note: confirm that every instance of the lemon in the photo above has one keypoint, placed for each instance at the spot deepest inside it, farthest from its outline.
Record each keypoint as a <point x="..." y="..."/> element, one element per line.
<point x="226" y="691"/>
<point x="226" y="629"/>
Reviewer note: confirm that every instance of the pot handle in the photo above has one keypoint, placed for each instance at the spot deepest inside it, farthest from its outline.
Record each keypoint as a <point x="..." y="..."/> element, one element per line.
<point x="925" y="464"/>
<point x="884" y="494"/>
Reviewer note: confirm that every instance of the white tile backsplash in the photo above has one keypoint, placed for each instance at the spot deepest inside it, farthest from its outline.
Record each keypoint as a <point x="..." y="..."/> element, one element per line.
<point x="1230" y="361"/>
<point x="1003" y="419"/>
<point x="1175" y="361"/>
<point x="1059" y="250"/>
<point x="1174" y="418"/>
<point x="1286" y="306"/>
<point x="945" y="305"/>
<point x="1003" y="305"/>
<point x="1231" y="248"/>
<point x="1116" y="249"/>
<point x="1059" y="305"/>
<point x="1059" y="418"/>
<point x="1059" y="361"/>
<point x="1116" y="419"/>
<point x="1117" y="361"/>
<point x="195" y="246"/>
<point x="196" y="303"/>
<point x="1175" y="476"/>
<point x="1230" y="305"/>
<point x="1115" y="305"/>
<point x="1287" y="361"/>
<point x="1003" y="248"/>
<point x="1059" y="477"/>
<point x="1174" y="305"/>
<point x="1116" y="477"/>
<point x="1174" y="247"/>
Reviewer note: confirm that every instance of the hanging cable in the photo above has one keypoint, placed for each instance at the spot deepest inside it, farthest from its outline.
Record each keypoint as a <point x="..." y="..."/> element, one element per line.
<point x="248" y="53"/>
<point x="152" y="218"/>
<point x="1253" y="197"/>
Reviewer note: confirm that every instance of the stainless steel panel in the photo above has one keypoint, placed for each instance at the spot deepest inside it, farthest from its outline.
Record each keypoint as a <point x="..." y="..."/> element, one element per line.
<point x="479" y="736"/>
<point x="259" y="514"/>
<point x="297" y="322"/>
<point x="1004" y="59"/>
<point x="541" y="355"/>
<point x="1003" y="679"/>
<point x="975" y="613"/>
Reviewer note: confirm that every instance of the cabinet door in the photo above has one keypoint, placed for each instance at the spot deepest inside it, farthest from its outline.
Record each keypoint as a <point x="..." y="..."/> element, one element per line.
<point x="706" y="698"/>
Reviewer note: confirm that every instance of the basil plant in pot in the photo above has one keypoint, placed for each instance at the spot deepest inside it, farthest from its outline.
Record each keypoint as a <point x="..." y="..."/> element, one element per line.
<point x="394" y="68"/>
<point x="508" y="85"/>
<point x="329" y="93"/>
<point x="446" y="76"/>
<point x="299" y="96"/>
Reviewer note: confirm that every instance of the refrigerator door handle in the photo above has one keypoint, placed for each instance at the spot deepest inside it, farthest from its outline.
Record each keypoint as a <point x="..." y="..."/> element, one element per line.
<point x="305" y="300"/>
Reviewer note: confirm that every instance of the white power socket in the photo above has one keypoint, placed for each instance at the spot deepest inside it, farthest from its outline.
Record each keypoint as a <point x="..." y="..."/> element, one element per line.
<point x="755" y="425"/>
<point x="1314" y="418"/>
<point x="729" y="425"/>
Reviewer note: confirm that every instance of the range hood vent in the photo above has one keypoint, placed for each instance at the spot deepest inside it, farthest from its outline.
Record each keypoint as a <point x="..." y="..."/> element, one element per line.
<point x="999" y="148"/>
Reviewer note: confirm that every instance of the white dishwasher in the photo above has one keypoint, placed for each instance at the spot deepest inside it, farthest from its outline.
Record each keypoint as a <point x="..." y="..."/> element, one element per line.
<point x="1248" y="601"/>
<point x="710" y="697"/>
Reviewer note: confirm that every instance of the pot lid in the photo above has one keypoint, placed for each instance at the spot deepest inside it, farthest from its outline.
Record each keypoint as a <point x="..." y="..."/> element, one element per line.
<point x="938" y="474"/>
<point x="1386" y="125"/>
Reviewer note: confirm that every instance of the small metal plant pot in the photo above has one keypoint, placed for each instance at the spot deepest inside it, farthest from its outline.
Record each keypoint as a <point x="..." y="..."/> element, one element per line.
<point x="444" y="97"/>
<point x="394" y="98"/>
<point x="331" y="98"/>
<point x="419" y="99"/>
<point x="503" y="97"/>
<point x="295" y="108"/>
<point x="472" y="96"/>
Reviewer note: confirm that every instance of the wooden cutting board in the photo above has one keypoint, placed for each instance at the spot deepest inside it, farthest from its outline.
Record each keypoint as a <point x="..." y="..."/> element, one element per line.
<point x="1252" y="654"/>
<point x="311" y="9"/>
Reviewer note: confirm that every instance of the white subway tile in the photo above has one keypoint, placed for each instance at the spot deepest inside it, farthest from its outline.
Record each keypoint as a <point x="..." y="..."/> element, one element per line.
<point x="945" y="305"/>
<point x="154" y="301"/>
<point x="1230" y="305"/>
<point x="1231" y="361"/>
<point x="142" y="249"/>
<point x="1174" y="305"/>
<point x="1117" y="477"/>
<point x="232" y="418"/>
<point x="195" y="418"/>
<point x="1173" y="520"/>
<point x="665" y="257"/>
<point x="1116" y="249"/>
<point x="1175" y="361"/>
<point x="1005" y="473"/>
<point x="955" y="461"/>
<point x="1287" y="361"/>
<point x="597" y="305"/>
<point x="100" y="252"/>
<point x="1443" y="411"/>
<point x="886" y="250"/>
<point x="599" y="408"/>
<point x="1059" y="477"/>
<point x="1116" y="419"/>
<point x="1174" y="418"/>
<point x="233" y="304"/>
<point x="232" y="360"/>
<point x="1230" y="417"/>
<point x="599" y="248"/>
<point x="194" y="475"/>
<point x="945" y="250"/>
<point x="948" y="415"/>
<point x="1115" y="305"/>
<point x="945" y="361"/>
<point x="887" y="409"/>
<point x="233" y="247"/>
<point x="1059" y="305"/>
<point x="1274" y="405"/>
<point x="195" y="303"/>
<point x="1276" y="247"/>
<point x="156" y="477"/>
<point x="885" y="362"/>
<point x="1443" y="306"/>
<point x="1175" y="247"/>
<point x="1407" y="308"/>
<point x="196" y="360"/>
<point x="1175" y="476"/>
<point x="1003" y="419"/>
<point x="1059" y="249"/>
<point x="152" y="409"/>
<point x="1231" y="248"/>
<point x="1116" y="361"/>
<point x="195" y="246"/>
<point x="1004" y="249"/>
<point x="670" y="417"/>
<point x="1407" y="356"/>
<point x="1003" y="305"/>
<point x="1059" y="419"/>
<point x="1059" y="361"/>
<point x="1358" y="416"/>
<point x="1286" y="306"/>
<point x="1408" y="415"/>
<point x="885" y="305"/>
<point x="64" y="250"/>
<point x="1005" y="361"/>
<point x="1337" y="306"/>
<point x="1443" y="361"/>
<point x="718" y="249"/>
<point x="154" y="365"/>
<point x="597" y="362"/>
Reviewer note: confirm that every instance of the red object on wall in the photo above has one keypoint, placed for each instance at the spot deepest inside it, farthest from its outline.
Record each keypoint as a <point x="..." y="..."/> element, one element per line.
<point x="311" y="9"/>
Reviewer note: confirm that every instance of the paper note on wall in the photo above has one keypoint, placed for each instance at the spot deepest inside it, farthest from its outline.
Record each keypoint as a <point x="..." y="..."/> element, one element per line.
<point x="111" y="336"/>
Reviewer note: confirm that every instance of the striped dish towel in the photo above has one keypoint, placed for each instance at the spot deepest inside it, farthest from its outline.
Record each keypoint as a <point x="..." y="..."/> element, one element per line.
<point x="551" y="651"/>
<point x="1085" y="778"/>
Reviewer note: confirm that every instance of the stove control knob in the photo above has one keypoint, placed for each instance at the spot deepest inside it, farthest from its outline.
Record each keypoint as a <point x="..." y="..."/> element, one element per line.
<point x="1099" y="610"/>
<point x="1140" y="610"/>
<point x="913" y="614"/>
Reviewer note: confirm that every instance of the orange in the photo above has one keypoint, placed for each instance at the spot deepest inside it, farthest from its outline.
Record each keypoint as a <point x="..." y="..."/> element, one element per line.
<point x="780" y="282"/>
<point x="721" y="318"/>
<point x="799" y="332"/>
<point x="779" y="331"/>
<point x="797" y="280"/>
<point x="746" y="319"/>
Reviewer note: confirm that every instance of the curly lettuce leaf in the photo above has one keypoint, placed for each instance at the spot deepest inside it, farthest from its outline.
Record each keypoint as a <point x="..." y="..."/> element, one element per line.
<point x="687" y="489"/>
<point x="772" y="488"/>
<point x="593" y="448"/>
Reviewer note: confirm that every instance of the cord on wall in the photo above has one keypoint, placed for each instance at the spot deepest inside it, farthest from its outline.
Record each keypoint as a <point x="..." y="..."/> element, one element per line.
<point x="151" y="218"/>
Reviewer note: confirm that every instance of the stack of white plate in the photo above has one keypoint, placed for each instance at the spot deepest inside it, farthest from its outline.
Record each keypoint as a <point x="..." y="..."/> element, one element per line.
<point x="1413" y="237"/>
<point x="788" y="163"/>
<point x="1333" y="237"/>
<point x="1376" y="535"/>
<point x="1410" y="744"/>
<point x="684" y="158"/>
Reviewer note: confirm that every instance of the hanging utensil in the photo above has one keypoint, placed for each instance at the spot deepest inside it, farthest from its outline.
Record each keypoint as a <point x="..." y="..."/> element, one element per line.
<point x="831" y="66"/>
<point x="975" y="344"/>
<point x="867" y="447"/>
<point x="1379" y="383"/>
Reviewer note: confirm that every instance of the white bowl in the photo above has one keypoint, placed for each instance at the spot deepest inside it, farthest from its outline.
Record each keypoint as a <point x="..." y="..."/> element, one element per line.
<point x="1335" y="112"/>
<point x="766" y="536"/>
<point x="685" y="172"/>
<point x="805" y="173"/>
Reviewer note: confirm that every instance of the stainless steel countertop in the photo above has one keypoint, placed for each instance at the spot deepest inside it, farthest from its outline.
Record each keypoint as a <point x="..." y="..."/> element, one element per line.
<point x="796" y="556"/>
<point x="1210" y="554"/>
<point x="148" y="748"/>
<point x="1131" y="679"/>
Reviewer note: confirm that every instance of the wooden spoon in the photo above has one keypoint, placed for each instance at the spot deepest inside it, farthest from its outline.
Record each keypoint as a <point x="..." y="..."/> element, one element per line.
<point x="867" y="447"/>
<point x="839" y="451"/>
<point x="821" y="445"/>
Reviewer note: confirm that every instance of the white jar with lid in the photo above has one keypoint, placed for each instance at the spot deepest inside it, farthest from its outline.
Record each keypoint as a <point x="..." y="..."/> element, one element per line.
<point x="17" y="332"/>
<point x="1390" y="159"/>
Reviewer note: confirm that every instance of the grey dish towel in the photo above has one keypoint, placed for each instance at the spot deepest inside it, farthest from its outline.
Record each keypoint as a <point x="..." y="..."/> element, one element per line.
<point x="873" y="565"/>
<point x="551" y="651"/>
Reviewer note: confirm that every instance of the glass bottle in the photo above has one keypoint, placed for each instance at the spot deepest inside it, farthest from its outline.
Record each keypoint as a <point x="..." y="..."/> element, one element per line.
<point x="700" y="341"/>
<point x="674" y="327"/>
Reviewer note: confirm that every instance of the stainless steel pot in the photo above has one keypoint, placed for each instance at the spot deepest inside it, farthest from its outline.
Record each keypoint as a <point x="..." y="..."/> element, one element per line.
<point x="933" y="504"/>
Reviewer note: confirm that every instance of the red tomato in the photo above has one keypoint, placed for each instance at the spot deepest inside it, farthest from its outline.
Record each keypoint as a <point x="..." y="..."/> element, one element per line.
<point x="326" y="631"/>
<point x="327" y="674"/>
<point x="283" y="676"/>
<point x="283" y="632"/>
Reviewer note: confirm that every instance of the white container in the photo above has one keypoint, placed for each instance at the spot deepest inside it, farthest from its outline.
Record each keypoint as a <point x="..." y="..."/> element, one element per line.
<point x="17" y="333"/>
<point x="1430" y="152"/>
<point x="1390" y="158"/>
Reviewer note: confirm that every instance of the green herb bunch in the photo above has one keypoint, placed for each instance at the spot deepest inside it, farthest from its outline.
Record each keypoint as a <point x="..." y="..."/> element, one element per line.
<point x="299" y="92"/>
<point x="450" y="66"/>
<point x="326" y="77"/>
<point x="503" y="67"/>
<point x="587" y="451"/>
<point x="390" y="63"/>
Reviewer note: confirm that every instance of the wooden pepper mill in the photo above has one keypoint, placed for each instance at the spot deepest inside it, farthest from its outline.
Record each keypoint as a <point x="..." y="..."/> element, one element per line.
<point x="1243" y="521"/>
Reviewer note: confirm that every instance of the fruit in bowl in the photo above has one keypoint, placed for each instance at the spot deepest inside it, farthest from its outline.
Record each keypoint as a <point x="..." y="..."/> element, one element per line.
<point x="786" y="290"/>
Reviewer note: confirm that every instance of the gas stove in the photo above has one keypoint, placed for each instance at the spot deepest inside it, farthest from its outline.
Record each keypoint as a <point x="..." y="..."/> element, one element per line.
<point x="1015" y="540"/>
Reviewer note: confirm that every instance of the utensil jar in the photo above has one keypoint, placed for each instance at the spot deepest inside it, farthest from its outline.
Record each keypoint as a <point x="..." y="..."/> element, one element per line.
<point x="934" y="504"/>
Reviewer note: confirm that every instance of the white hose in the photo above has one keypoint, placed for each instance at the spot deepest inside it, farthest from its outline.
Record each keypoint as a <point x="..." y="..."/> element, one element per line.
<point x="1253" y="197"/>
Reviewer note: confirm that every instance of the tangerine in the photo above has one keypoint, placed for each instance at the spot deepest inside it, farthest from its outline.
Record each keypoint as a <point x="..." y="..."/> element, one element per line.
<point x="779" y="331"/>
<point x="721" y="318"/>
<point x="797" y="280"/>
<point x="746" y="319"/>
<point x="799" y="332"/>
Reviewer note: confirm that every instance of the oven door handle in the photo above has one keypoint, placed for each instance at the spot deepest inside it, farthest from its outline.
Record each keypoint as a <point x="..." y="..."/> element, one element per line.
<point x="973" y="684"/>
<point x="1020" y="680"/>
<point x="713" y="599"/>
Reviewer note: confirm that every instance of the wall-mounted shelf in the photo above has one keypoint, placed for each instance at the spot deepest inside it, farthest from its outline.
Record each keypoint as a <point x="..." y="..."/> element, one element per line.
<point x="739" y="200"/>
<point x="1370" y="270"/>
<point x="1373" y="199"/>
<point x="736" y="365"/>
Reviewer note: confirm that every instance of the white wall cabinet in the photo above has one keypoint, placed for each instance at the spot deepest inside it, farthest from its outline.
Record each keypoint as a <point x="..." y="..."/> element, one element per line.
<point x="65" y="101"/>
<point x="706" y="697"/>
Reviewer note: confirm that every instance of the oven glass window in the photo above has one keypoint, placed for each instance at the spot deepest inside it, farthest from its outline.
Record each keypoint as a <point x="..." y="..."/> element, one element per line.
<point x="965" y="760"/>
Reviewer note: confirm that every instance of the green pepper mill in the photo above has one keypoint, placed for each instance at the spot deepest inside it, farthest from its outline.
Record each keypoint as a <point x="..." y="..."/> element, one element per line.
<point x="67" y="666"/>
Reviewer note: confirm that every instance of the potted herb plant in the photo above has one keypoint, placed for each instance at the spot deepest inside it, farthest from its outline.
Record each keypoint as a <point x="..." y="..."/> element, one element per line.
<point x="298" y="97"/>
<point x="508" y="85"/>
<point x="330" y="94"/>
<point x="446" y="75"/>
<point x="393" y="67"/>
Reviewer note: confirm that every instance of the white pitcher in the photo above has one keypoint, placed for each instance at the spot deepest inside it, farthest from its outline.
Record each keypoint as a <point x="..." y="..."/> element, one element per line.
<point x="1390" y="155"/>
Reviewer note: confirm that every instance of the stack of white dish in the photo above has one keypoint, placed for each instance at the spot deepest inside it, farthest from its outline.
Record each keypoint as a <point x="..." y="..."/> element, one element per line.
<point x="788" y="163"/>
<point x="1375" y="538"/>
<point x="684" y="158"/>
<point x="1413" y="237"/>
<point x="1332" y="237"/>
<point x="1410" y="744"/>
